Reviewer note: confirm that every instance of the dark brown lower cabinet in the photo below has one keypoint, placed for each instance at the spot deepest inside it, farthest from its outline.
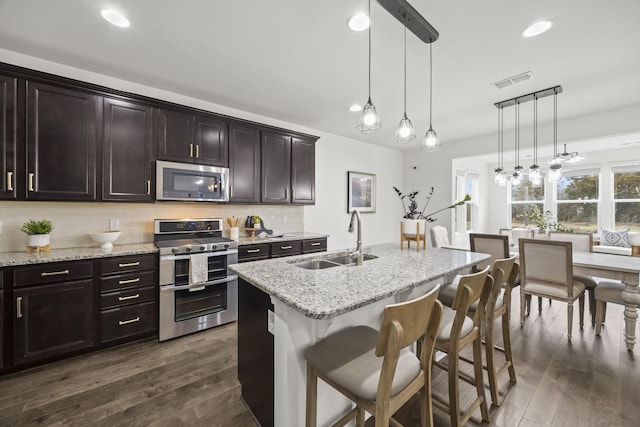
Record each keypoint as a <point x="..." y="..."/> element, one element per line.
<point x="51" y="320"/>
<point x="255" y="352"/>
<point x="1" y="320"/>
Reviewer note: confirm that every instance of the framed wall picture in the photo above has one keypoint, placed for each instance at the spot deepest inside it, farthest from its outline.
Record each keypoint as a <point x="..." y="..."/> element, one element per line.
<point x="361" y="192"/>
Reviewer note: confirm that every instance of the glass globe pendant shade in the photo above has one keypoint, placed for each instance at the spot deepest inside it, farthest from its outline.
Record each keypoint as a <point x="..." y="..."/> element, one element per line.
<point x="369" y="120"/>
<point x="516" y="178"/>
<point x="500" y="177"/>
<point x="404" y="132"/>
<point x="431" y="142"/>
<point x="555" y="172"/>
<point x="534" y="173"/>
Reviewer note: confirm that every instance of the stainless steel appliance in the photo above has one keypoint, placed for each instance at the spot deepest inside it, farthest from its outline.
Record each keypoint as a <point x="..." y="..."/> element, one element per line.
<point x="188" y="305"/>
<point x="187" y="181"/>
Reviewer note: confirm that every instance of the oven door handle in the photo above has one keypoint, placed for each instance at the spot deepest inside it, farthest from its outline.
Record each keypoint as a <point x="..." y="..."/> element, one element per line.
<point x="210" y="254"/>
<point x="197" y="286"/>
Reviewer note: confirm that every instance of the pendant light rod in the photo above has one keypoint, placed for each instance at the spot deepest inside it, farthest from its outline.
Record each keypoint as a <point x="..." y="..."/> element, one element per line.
<point x="535" y="130"/>
<point x="405" y="67"/>
<point x="369" y="31"/>
<point x="430" y="82"/>
<point x="529" y="97"/>
<point x="416" y="23"/>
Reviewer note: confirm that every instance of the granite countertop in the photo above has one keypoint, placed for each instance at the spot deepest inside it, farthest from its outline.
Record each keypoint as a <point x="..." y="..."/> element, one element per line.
<point x="281" y="237"/>
<point x="326" y="293"/>
<point x="73" y="254"/>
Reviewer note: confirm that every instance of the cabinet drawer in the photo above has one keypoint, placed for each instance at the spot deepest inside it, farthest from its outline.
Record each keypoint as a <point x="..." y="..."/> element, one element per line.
<point x="314" y="245"/>
<point x="127" y="264"/>
<point x="253" y="252"/>
<point x="293" y="247"/>
<point x="127" y="297"/>
<point x="52" y="272"/>
<point x="124" y="281"/>
<point x="127" y="321"/>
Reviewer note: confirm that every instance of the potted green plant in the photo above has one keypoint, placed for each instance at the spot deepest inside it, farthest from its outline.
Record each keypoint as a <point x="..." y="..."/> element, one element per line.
<point x="37" y="232"/>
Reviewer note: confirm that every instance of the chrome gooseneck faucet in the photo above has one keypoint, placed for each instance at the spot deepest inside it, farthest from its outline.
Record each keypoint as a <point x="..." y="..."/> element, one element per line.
<point x="357" y="254"/>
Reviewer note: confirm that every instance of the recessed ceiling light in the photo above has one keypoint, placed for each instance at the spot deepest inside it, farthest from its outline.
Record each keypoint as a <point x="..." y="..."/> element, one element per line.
<point x="359" y="22"/>
<point x="355" y="107"/>
<point x="537" y="28"/>
<point x="114" y="17"/>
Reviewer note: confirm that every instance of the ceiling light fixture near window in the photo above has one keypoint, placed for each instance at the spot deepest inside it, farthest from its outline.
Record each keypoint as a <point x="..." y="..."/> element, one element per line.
<point x="359" y="22"/>
<point x="115" y="18"/>
<point x="355" y="107"/>
<point x="537" y="28"/>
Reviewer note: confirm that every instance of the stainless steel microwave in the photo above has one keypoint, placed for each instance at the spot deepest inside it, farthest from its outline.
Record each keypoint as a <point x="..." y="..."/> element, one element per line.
<point x="186" y="181"/>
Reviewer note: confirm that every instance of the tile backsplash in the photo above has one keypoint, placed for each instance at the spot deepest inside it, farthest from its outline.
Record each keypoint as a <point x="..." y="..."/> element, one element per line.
<point x="73" y="221"/>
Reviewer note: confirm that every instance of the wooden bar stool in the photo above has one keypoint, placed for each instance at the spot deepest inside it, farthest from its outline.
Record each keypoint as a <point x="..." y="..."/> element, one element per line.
<point x="375" y="369"/>
<point x="418" y="237"/>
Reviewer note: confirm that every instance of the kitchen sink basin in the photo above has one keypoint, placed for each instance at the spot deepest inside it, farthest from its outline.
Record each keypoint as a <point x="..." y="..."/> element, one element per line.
<point x="316" y="264"/>
<point x="347" y="260"/>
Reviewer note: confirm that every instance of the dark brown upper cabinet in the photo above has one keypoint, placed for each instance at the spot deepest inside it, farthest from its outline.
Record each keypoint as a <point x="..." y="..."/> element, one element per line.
<point x="127" y="151"/>
<point x="244" y="163"/>
<point x="303" y="171"/>
<point x="193" y="138"/>
<point x="8" y="140"/>
<point x="61" y="143"/>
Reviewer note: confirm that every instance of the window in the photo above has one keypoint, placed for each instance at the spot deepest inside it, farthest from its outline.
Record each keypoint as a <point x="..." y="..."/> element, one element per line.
<point x="523" y="198"/>
<point x="578" y="197"/>
<point x="626" y="197"/>
<point x="466" y="216"/>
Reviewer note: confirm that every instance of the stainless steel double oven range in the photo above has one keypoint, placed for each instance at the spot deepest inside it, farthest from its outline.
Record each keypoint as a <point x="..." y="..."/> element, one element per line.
<point x="188" y="305"/>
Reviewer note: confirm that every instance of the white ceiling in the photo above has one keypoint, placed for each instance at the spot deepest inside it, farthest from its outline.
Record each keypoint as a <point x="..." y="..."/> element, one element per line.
<point x="298" y="62"/>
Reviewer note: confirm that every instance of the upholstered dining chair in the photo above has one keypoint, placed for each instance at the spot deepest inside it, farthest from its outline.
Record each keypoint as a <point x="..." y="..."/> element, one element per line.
<point x="493" y="244"/>
<point x="376" y="369"/>
<point x="458" y="331"/>
<point x="439" y="236"/>
<point x="546" y="270"/>
<point x="520" y="233"/>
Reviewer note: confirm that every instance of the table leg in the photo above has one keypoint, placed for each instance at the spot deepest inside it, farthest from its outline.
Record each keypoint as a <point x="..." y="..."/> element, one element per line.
<point x="631" y="296"/>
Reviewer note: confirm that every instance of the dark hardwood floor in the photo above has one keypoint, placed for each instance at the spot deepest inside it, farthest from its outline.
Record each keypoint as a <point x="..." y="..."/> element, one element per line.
<point x="192" y="381"/>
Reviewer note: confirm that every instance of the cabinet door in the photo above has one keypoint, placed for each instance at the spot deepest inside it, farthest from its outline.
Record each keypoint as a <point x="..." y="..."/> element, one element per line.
<point x="61" y="143"/>
<point x="175" y="136"/>
<point x="276" y="167"/>
<point x="8" y="148"/>
<point x="244" y="163"/>
<point x="211" y="141"/>
<point x="303" y="171"/>
<point x="127" y="164"/>
<point x="51" y="320"/>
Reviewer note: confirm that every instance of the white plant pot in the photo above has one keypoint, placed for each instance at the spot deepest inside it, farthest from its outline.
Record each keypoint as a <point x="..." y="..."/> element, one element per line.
<point x="38" y="240"/>
<point x="410" y="227"/>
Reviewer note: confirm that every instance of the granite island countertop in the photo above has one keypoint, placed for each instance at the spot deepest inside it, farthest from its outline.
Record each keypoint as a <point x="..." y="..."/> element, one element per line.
<point x="277" y="237"/>
<point x="326" y="293"/>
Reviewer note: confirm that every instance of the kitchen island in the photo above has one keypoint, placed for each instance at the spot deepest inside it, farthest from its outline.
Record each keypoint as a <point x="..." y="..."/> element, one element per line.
<point x="284" y="308"/>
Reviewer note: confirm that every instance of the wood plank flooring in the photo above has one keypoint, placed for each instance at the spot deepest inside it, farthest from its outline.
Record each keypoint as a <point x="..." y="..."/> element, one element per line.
<point x="192" y="381"/>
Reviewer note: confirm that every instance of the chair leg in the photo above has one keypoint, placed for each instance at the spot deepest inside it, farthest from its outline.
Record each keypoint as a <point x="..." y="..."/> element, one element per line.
<point x="426" y="402"/>
<point x="592" y="305"/>
<point x="581" y="309"/>
<point x="360" y="418"/>
<point x="523" y="303"/>
<point x="604" y="312"/>
<point x="506" y="338"/>
<point x="599" y="316"/>
<point x="540" y="305"/>
<point x="491" y="363"/>
<point x="454" y="404"/>
<point x="569" y="319"/>
<point x="312" y="395"/>
<point x="479" y="380"/>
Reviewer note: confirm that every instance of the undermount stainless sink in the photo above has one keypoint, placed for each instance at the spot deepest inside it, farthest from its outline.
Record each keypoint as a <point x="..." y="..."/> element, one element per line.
<point x="316" y="264"/>
<point x="347" y="260"/>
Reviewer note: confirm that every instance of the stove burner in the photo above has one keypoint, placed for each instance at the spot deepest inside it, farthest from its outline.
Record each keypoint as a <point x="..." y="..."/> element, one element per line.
<point x="171" y="238"/>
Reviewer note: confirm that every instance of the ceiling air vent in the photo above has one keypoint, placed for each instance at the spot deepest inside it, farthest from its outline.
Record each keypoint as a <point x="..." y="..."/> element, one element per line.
<point x="510" y="81"/>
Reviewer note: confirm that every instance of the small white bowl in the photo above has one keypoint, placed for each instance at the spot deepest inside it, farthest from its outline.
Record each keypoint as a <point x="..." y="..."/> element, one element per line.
<point x="105" y="238"/>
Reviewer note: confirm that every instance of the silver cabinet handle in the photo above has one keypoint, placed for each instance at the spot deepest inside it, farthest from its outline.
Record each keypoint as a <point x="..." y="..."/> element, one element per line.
<point x="19" y="307"/>
<point x="130" y="264"/>
<point x="286" y="247"/>
<point x="148" y="186"/>
<point x="54" y="273"/>
<point x="126" y="322"/>
<point x="9" y="181"/>
<point x="231" y="191"/>
<point x="125" y="282"/>
<point x="253" y="251"/>
<point x="129" y="297"/>
<point x="197" y="150"/>
<point x="30" y="182"/>
<point x="190" y="150"/>
<point x="315" y="244"/>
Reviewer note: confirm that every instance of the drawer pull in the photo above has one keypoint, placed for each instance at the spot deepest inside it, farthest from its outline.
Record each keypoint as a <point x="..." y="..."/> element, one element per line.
<point x="148" y="186"/>
<point x="315" y="244"/>
<point x="126" y="282"/>
<point x="190" y="150"/>
<point x="54" y="273"/>
<point x="19" y="307"/>
<point x="129" y="264"/>
<point x="197" y="150"/>
<point x="30" y="182"/>
<point x="126" y="322"/>
<point x="253" y="251"/>
<point x="129" y="297"/>
<point x="286" y="247"/>
<point x="9" y="181"/>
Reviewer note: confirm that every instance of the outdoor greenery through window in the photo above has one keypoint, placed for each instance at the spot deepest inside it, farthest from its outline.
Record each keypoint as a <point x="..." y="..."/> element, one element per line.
<point x="578" y="199"/>
<point x="626" y="195"/>
<point x="523" y="198"/>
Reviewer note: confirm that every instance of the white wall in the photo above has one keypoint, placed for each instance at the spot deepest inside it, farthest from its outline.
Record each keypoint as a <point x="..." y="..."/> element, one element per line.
<point x="335" y="155"/>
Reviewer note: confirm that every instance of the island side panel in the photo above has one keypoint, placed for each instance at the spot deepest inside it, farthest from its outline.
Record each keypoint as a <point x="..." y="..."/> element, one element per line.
<point x="255" y="351"/>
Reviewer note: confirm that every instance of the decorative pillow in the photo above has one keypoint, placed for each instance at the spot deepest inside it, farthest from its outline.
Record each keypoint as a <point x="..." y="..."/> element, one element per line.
<point x="616" y="238"/>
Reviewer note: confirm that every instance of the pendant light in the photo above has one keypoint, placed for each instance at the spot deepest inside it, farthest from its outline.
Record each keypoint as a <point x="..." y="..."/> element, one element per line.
<point x="431" y="142"/>
<point x="369" y="120"/>
<point x="405" y="132"/>
<point x="534" y="170"/>
<point x="572" y="157"/>
<point x="516" y="177"/>
<point x="555" y="170"/>
<point x="500" y="176"/>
